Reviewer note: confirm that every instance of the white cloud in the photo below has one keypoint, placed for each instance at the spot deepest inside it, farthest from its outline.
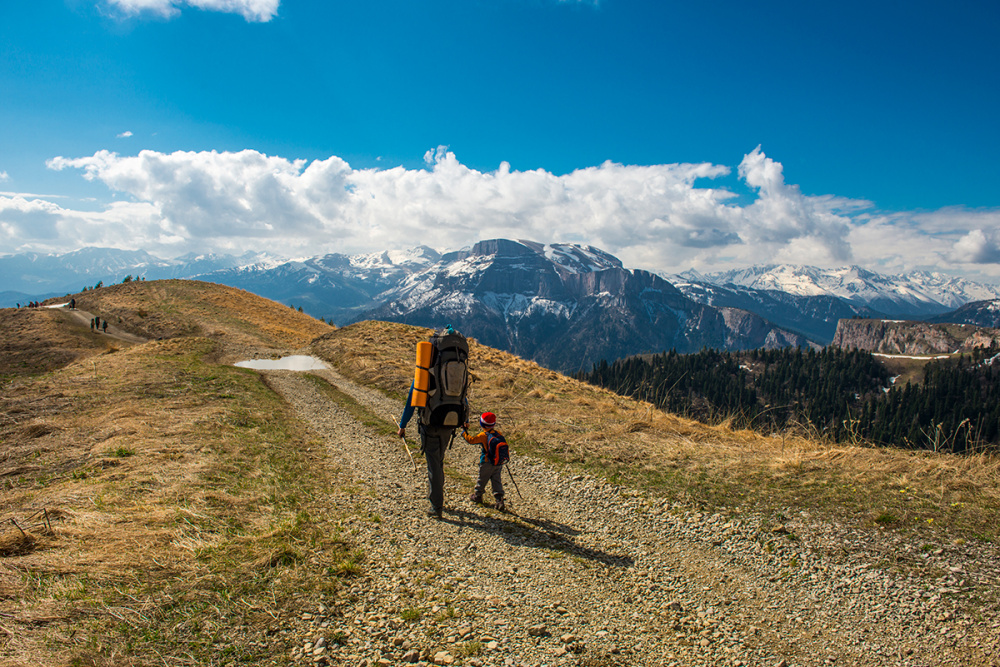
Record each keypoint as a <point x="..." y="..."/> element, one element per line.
<point x="4" y="176"/>
<point x="217" y="197"/>
<point x="800" y="226"/>
<point x="658" y="217"/>
<point x="124" y="135"/>
<point x="40" y="225"/>
<point x="252" y="10"/>
<point x="978" y="247"/>
<point x="957" y="239"/>
<point x="22" y="219"/>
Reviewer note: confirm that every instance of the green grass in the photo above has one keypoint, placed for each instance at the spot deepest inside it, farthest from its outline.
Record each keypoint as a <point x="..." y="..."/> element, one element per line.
<point x="471" y="649"/>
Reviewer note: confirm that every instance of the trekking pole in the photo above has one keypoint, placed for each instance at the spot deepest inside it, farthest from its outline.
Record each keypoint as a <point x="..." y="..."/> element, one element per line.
<point x="406" y="447"/>
<point x="515" y="482"/>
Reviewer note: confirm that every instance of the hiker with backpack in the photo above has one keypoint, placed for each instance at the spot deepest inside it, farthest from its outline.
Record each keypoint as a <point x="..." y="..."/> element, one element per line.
<point x="495" y="453"/>
<point x="438" y="394"/>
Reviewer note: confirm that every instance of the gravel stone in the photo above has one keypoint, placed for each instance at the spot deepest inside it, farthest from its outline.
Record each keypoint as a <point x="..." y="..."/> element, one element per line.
<point x="583" y="572"/>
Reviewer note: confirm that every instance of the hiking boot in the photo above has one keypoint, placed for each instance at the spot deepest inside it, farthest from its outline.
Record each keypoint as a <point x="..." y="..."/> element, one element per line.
<point x="476" y="498"/>
<point x="500" y="505"/>
<point x="435" y="512"/>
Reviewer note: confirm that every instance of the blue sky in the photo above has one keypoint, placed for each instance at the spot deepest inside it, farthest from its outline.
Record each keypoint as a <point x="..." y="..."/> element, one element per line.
<point x="705" y="135"/>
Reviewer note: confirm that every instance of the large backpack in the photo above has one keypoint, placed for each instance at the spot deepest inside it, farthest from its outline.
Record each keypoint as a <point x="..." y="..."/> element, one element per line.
<point x="448" y="381"/>
<point x="497" y="451"/>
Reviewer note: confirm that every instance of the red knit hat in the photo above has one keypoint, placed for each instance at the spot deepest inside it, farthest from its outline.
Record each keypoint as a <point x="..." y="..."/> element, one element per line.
<point x="488" y="420"/>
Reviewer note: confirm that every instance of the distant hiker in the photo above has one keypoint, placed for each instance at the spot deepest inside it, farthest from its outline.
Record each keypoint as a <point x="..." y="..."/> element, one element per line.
<point x="92" y="324"/>
<point x="495" y="453"/>
<point x="438" y="391"/>
<point x="72" y="304"/>
<point x="97" y="323"/>
<point x="104" y="326"/>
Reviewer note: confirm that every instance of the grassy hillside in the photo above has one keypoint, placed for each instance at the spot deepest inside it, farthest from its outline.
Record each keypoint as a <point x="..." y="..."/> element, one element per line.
<point x="159" y="502"/>
<point x="151" y="495"/>
<point x="170" y="308"/>
<point x="34" y="341"/>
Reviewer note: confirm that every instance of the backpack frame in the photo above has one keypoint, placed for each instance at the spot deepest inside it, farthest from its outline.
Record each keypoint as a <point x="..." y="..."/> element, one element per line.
<point x="448" y="382"/>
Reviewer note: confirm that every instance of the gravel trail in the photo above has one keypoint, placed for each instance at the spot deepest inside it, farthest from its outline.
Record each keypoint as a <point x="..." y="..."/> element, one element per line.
<point x="586" y="573"/>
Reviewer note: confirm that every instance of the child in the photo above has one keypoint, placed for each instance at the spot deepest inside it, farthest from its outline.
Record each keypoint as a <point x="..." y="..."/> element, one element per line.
<point x="494" y="454"/>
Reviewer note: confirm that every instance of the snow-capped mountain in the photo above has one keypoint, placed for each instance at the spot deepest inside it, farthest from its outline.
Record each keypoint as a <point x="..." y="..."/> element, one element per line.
<point x="50" y="274"/>
<point x="334" y="286"/>
<point x="816" y="316"/>
<point x="979" y="313"/>
<point x="566" y="306"/>
<point x="892" y="295"/>
<point x="35" y="273"/>
<point x="950" y="291"/>
<point x="916" y="295"/>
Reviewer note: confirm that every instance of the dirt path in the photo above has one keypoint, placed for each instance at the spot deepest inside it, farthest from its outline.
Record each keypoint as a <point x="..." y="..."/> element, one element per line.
<point x="85" y="318"/>
<point x="592" y="574"/>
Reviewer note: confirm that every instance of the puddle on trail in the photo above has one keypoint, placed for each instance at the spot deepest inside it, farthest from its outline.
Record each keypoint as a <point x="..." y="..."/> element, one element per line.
<point x="298" y="362"/>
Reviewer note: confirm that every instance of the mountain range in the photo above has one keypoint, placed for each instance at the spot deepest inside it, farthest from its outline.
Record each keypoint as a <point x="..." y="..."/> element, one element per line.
<point x="563" y="305"/>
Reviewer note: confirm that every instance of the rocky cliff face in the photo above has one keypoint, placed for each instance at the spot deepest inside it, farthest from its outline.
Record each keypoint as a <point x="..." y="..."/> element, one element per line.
<point x="904" y="337"/>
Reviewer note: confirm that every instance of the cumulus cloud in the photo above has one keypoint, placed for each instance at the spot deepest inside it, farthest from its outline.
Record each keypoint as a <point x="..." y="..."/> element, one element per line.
<point x="124" y="135"/>
<point x="28" y="223"/>
<point x="326" y="204"/>
<point x="960" y="239"/>
<point x="800" y="226"/>
<point x="665" y="217"/>
<point x="259" y="11"/>
<point x="978" y="247"/>
<point x="4" y="176"/>
<point x="22" y="218"/>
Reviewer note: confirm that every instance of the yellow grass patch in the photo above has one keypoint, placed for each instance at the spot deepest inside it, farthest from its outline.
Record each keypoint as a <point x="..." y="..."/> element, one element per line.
<point x="171" y="308"/>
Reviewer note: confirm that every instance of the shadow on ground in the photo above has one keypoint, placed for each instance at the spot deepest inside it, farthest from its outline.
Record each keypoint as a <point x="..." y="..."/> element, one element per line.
<point x="533" y="533"/>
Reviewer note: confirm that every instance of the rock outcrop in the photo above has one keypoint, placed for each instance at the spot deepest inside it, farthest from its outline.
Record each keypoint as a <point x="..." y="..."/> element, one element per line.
<point x="906" y="337"/>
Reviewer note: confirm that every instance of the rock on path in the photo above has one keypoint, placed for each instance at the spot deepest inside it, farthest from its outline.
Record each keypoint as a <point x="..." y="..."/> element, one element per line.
<point x="588" y="573"/>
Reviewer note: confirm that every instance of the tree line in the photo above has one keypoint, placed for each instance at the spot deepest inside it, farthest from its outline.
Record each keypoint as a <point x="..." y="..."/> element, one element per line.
<point x="842" y="395"/>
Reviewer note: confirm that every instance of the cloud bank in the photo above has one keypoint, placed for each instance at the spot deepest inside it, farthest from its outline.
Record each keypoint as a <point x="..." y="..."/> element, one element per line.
<point x="665" y="217"/>
<point x="257" y="11"/>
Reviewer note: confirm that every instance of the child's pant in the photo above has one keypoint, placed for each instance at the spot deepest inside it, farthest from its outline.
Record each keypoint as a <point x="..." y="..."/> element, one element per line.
<point x="488" y="471"/>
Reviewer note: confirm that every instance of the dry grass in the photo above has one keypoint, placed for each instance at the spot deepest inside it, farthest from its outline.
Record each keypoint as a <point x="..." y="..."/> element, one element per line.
<point x="180" y="517"/>
<point x="906" y="370"/>
<point x="573" y="423"/>
<point x="170" y="308"/>
<point x="34" y="341"/>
